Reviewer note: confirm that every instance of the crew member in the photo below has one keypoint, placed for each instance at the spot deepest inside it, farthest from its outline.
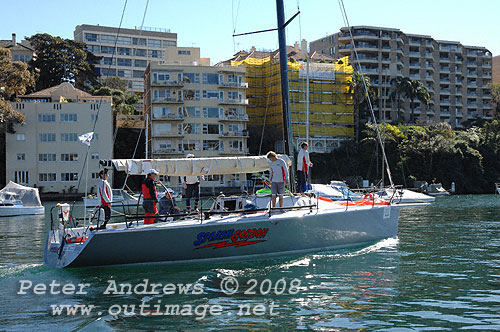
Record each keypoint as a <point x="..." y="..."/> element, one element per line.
<point x="303" y="164"/>
<point x="167" y="203"/>
<point x="278" y="175"/>
<point x="105" y="196"/>
<point x="149" y="197"/>
<point x="192" y="186"/>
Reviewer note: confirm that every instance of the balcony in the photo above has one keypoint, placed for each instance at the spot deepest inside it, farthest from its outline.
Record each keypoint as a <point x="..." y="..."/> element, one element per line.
<point x="444" y="69"/>
<point x="444" y="80"/>
<point x="472" y="84"/>
<point x="444" y="102"/>
<point x="361" y="46"/>
<point x="169" y="151"/>
<point x="168" y="101"/>
<point x="234" y="101"/>
<point x="415" y="76"/>
<point x="472" y="94"/>
<point x="369" y="70"/>
<point x="443" y="59"/>
<point x="414" y="42"/>
<point x="231" y="134"/>
<point x="472" y="73"/>
<point x="471" y="63"/>
<point x="233" y="85"/>
<point x="415" y="65"/>
<point x="168" y="135"/>
<point x="240" y="117"/>
<point x="169" y="117"/>
<point x="428" y="55"/>
<point x="445" y="91"/>
<point x="167" y="83"/>
<point x="414" y="54"/>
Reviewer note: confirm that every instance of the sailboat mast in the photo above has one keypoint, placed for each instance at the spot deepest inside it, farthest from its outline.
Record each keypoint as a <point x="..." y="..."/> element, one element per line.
<point x="287" y="121"/>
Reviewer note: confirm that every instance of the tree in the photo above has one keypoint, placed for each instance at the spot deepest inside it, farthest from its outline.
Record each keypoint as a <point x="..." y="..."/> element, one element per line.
<point x="398" y="87"/>
<point x="415" y="89"/>
<point x="14" y="78"/>
<point x="62" y="60"/>
<point x="495" y="94"/>
<point x="123" y="101"/>
<point x="358" y="87"/>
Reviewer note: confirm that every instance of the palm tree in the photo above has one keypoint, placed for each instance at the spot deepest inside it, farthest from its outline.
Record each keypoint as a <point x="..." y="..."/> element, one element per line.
<point x="415" y="89"/>
<point x="358" y="87"/>
<point x="398" y="89"/>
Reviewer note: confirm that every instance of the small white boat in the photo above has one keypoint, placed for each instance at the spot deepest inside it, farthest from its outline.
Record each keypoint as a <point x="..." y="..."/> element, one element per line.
<point x="436" y="189"/>
<point x="336" y="191"/>
<point x="403" y="196"/>
<point x="18" y="200"/>
<point x="120" y="198"/>
<point x="497" y="187"/>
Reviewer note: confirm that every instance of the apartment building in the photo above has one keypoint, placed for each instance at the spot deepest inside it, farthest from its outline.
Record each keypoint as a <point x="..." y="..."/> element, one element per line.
<point x="199" y="110"/>
<point x="18" y="51"/>
<point x="45" y="151"/>
<point x="324" y="120"/>
<point x="457" y="76"/>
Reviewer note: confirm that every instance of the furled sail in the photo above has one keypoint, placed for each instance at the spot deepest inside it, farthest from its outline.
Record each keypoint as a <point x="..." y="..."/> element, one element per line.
<point x="195" y="166"/>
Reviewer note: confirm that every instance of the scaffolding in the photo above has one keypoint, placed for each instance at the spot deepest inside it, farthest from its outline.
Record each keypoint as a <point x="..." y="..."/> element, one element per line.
<point x="331" y="107"/>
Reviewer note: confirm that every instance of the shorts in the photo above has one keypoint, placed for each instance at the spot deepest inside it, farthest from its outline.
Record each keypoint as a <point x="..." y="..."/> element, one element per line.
<point x="277" y="188"/>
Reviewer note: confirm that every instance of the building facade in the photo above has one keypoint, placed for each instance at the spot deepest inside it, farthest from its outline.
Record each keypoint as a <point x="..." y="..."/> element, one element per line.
<point x="456" y="76"/>
<point x="45" y="151"/>
<point x="199" y="110"/>
<point x="18" y="51"/>
<point x="324" y="120"/>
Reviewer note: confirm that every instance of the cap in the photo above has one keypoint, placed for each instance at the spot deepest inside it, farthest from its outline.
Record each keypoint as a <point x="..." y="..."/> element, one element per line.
<point x="190" y="155"/>
<point x="103" y="171"/>
<point x="153" y="171"/>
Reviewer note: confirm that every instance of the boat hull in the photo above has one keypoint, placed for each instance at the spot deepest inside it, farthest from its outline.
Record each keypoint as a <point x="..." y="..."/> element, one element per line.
<point x="11" y="211"/>
<point x="227" y="239"/>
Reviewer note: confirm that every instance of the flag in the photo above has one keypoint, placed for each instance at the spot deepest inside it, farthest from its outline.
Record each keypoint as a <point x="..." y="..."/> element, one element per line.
<point x="86" y="138"/>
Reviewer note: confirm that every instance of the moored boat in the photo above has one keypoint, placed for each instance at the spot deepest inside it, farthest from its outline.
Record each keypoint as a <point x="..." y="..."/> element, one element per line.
<point x="18" y="200"/>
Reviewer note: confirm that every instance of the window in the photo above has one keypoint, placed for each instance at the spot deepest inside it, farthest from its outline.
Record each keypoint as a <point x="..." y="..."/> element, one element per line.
<point x="189" y="145"/>
<point x="138" y="74"/>
<point x="167" y="43"/>
<point x="46" y="118"/>
<point x="94" y="117"/>
<point x="124" y="62"/>
<point x="95" y="175"/>
<point x="191" y="128"/>
<point x="162" y="128"/>
<point x="69" y="156"/>
<point x="123" y="51"/>
<point x="186" y="52"/>
<point x="160" y="94"/>
<point x="161" y="111"/>
<point x="108" y="61"/>
<point x="91" y="37"/>
<point x="209" y="145"/>
<point x="94" y="156"/>
<point x="208" y="94"/>
<point x="124" y="73"/>
<point x="107" y="50"/>
<point x="69" y="117"/>
<point x="20" y="137"/>
<point x="236" y="145"/>
<point x="161" y="76"/>
<point x="21" y="156"/>
<point x="193" y="112"/>
<point x="108" y="39"/>
<point x="192" y="78"/>
<point x="22" y="58"/>
<point x="47" y="157"/>
<point x="47" y="177"/>
<point x="210" y="112"/>
<point x="235" y="127"/>
<point x="235" y="95"/>
<point x="154" y="54"/>
<point x="140" y="63"/>
<point x="124" y="40"/>
<point x="93" y="48"/>
<point x="21" y="177"/>
<point x="108" y="72"/>
<point x="139" y="41"/>
<point x="69" y="177"/>
<point x="210" y="128"/>
<point x="68" y="137"/>
<point x="154" y="43"/>
<point x="210" y="78"/>
<point x="47" y="137"/>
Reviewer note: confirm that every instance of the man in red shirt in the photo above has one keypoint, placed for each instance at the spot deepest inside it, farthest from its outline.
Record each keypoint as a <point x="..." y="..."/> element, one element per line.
<point x="149" y="197"/>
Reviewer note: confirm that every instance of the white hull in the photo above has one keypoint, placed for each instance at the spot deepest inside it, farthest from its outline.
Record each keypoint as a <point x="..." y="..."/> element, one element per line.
<point x="9" y="211"/>
<point x="405" y="196"/>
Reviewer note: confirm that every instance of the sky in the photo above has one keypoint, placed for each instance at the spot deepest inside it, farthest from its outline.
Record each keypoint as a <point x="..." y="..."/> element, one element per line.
<point x="209" y="24"/>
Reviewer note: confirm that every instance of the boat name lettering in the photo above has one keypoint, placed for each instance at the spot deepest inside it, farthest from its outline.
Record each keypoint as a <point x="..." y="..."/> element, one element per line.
<point x="237" y="238"/>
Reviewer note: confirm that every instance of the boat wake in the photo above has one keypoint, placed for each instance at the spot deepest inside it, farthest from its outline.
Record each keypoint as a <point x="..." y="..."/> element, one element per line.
<point x="9" y="269"/>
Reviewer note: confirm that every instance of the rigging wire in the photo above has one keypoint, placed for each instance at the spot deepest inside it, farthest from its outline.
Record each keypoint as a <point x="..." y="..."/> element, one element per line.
<point x="370" y="106"/>
<point x="100" y="100"/>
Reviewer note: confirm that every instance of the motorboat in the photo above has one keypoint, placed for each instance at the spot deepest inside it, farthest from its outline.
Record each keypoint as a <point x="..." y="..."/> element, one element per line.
<point x="403" y="196"/>
<point x="497" y="187"/>
<point x="436" y="189"/>
<point x="242" y="227"/>
<point x="18" y="200"/>
<point x="120" y="198"/>
<point x="336" y="190"/>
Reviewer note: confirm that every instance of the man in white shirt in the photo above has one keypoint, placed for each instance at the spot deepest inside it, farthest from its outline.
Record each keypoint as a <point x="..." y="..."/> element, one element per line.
<point x="303" y="164"/>
<point x="104" y="196"/>
<point x="278" y="175"/>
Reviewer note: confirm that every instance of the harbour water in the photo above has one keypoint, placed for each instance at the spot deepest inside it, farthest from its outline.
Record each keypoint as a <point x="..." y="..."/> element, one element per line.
<point x="441" y="273"/>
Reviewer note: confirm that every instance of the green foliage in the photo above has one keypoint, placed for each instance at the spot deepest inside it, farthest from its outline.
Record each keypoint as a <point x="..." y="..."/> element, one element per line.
<point x="470" y="158"/>
<point x="123" y="101"/>
<point x="14" y="79"/>
<point x="62" y="60"/>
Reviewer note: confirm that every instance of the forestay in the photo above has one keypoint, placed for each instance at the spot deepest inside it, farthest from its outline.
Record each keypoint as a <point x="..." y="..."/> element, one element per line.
<point x="197" y="166"/>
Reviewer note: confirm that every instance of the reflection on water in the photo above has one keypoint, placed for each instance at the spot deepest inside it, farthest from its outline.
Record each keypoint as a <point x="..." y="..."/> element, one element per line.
<point x="442" y="273"/>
